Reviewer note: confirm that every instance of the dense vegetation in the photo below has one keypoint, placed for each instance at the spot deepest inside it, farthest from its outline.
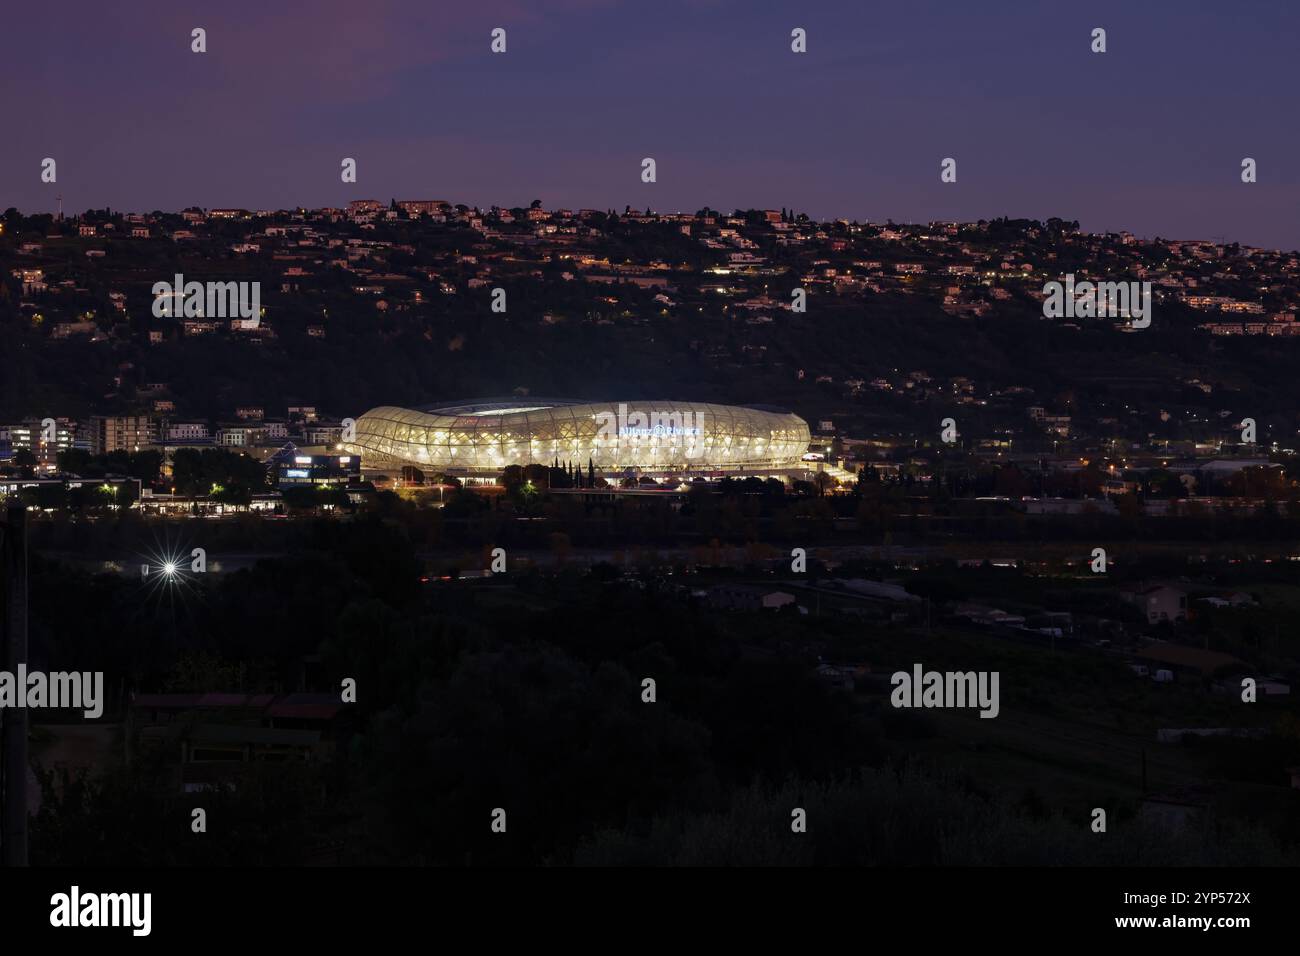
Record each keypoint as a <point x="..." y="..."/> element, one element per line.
<point x="529" y="697"/>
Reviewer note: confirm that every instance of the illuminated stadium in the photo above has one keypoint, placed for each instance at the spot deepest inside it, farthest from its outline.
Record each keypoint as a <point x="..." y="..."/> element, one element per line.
<point x="617" y="438"/>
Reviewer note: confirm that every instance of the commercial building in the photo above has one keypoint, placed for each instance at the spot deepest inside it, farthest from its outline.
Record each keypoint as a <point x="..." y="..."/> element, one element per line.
<point x="44" y="438"/>
<point x="109" y="433"/>
<point x="292" y="468"/>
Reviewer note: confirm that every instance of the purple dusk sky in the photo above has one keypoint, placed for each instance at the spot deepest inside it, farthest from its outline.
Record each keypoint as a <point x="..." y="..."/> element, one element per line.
<point x="1147" y="137"/>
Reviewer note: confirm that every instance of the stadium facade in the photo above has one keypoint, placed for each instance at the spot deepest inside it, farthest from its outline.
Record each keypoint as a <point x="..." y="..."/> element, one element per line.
<point x="617" y="438"/>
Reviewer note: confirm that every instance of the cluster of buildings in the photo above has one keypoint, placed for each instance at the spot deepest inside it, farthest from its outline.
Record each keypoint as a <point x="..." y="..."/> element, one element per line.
<point x="250" y="428"/>
<point x="300" y="450"/>
<point x="750" y="261"/>
<point x="734" y="281"/>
